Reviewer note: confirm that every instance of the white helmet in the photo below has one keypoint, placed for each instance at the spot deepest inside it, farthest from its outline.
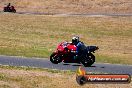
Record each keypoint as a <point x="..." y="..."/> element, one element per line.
<point x="75" y="39"/>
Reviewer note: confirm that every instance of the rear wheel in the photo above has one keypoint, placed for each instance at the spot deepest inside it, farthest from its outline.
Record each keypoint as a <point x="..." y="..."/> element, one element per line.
<point x="88" y="60"/>
<point x="54" y="58"/>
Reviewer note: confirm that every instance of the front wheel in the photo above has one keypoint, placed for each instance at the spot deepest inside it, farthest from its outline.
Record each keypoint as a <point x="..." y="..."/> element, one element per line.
<point x="5" y="9"/>
<point x="55" y="58"/>
<point x="88" y="60"/>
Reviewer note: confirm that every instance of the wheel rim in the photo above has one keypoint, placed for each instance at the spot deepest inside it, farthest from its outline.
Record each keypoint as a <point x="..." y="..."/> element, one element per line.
<point x="88" y="60"/>
<point x="55" y="58"/>
<point x="85" y="60"/>
<point x="91" y="58"/>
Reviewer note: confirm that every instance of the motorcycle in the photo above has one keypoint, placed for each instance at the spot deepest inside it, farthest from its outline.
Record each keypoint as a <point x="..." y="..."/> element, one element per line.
<point x="66" y="52"/>
<point x="9" y="9"/>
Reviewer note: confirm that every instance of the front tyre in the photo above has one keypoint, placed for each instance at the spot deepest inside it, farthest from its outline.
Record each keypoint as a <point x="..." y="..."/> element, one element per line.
<point x="5" y="9"/>
<point x="88" y="60"/>
<point x="55" y="59"/>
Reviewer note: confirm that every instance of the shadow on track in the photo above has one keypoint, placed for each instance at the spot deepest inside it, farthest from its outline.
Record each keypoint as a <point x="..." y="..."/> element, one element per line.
<point x="77" y="65"/>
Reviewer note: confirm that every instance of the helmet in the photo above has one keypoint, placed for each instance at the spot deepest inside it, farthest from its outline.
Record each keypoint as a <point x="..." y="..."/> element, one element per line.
<point x="75" y="39"/>
<point x="9" y="4"/>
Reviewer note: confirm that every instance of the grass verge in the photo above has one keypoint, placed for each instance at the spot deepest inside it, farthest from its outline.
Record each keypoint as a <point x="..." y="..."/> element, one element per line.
<point x="25" y="77"/>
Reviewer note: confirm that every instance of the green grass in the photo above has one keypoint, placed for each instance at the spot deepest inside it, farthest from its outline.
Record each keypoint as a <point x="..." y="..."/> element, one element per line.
<point x="38" y="35"/>
<point x="27" y="52"/>
<point x="112" y="59"/>
<point x="24" y="68"/>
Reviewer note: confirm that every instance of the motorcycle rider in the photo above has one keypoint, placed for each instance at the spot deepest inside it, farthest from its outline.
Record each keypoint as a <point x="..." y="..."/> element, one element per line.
<point x="80" y="45"/>
<point x="8" y="6"/>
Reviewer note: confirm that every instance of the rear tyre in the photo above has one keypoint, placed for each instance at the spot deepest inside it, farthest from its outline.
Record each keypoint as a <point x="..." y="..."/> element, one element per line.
<point x="88" y="60"/>
<point x="55" y="59"/>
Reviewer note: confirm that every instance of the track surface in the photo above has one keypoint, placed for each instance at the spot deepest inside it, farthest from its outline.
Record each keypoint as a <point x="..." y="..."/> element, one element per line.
<point x="84" y="15"/>
<point x="44" y="63"/>
<point x="57" y="14"/>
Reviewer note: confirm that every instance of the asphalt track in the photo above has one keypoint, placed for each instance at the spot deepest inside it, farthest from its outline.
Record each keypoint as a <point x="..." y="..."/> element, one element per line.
<point x="45" y="63"/>
<point x="83" y="15"/>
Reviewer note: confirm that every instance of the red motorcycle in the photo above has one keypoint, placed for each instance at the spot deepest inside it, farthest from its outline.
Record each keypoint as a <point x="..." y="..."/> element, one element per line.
<point x="9" y="9"/>
<point x="66" y="52"/>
